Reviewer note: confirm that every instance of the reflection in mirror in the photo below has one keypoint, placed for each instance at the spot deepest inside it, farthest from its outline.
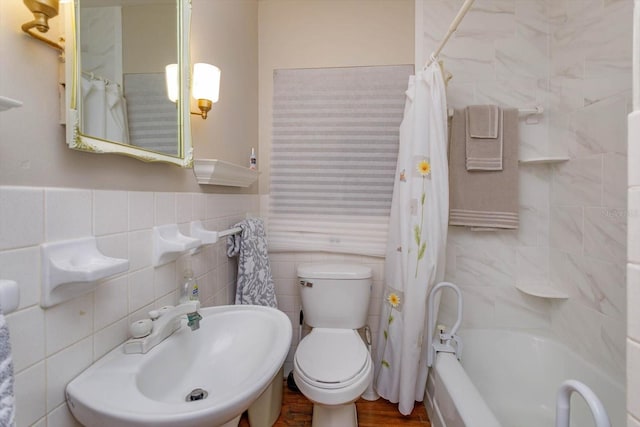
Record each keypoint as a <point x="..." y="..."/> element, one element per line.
<point x="119" y="93"/>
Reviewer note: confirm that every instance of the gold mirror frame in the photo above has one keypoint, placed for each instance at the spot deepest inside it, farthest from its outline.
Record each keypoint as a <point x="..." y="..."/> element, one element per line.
<point x="79" y="141"/>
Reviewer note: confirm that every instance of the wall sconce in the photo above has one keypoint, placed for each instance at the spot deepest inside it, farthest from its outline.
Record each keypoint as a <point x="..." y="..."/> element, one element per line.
<point x="42" y="10"/>
<point x="205" y="85"/>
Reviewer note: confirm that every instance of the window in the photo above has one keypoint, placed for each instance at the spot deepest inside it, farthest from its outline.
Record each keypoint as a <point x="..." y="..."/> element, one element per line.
<point x="333" y="159"/>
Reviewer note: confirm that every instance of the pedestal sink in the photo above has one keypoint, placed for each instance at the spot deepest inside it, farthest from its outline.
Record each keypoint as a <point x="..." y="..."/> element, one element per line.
<point x="206" y="377"/>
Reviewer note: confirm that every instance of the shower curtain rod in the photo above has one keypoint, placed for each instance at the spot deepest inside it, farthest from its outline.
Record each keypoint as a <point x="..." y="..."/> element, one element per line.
<point x="452" y="29"/>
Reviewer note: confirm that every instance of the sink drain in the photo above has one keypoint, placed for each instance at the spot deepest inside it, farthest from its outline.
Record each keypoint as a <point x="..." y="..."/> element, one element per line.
<point x="196" y="394"/>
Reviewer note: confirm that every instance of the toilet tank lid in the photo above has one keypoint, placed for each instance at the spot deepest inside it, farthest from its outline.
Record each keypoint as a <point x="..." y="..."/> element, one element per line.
<point x="334" y="271"/>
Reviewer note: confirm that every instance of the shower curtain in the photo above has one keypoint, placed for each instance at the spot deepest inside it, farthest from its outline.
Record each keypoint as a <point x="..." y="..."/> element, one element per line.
<point x="416" y="244"/>
<point x="104" y="113"/>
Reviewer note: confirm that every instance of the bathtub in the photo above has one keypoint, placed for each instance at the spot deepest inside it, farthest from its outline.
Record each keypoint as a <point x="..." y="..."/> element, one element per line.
<point x="510" y="379"/>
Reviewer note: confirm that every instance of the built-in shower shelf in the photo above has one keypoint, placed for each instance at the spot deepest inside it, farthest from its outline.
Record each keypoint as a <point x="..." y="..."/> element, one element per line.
<point x="543" y="160"/>
<point x="541" y="290"/>
<point x="7" y="103"/>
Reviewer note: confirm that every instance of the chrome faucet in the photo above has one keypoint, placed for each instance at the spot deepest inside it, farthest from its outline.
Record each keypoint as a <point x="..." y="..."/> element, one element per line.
<point x="169" y="321"/>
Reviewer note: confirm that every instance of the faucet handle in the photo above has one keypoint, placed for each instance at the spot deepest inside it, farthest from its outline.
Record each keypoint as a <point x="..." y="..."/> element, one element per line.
<point x="141" y="328"/>
<point x="162" y="310"/>
<point x="155" y="314"/>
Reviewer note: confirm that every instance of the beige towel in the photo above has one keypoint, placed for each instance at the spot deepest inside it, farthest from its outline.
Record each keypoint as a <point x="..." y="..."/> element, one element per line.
<point x="484" y="199"/>
<point x="484" y="137"/>
<point x="482" y="121"/>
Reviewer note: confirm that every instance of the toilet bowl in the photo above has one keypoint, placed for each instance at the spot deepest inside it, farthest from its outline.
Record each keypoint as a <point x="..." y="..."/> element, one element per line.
<point x="332" y="366"/>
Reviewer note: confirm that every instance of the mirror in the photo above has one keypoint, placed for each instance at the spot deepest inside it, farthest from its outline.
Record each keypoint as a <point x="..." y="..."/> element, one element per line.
<point x="117" y="51"/>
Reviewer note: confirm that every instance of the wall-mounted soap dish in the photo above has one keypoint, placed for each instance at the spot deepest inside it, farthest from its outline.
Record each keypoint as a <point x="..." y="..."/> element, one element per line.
<point x="72" y="267"/>
<point x="197" y="231"/>
<point x="169" y="244"/>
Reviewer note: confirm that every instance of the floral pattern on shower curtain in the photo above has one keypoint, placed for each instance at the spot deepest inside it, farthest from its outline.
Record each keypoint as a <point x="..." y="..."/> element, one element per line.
<point x="416" y="244"/>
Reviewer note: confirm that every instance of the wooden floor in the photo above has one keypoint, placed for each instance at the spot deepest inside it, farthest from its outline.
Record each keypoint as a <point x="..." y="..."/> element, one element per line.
<point x="296" y="412"/>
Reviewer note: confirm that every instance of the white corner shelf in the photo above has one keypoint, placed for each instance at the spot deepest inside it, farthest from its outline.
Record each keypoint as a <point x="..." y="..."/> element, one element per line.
<point x="71" y="268"/>
<point x="541" y="290"/>
<point x="219" y="172"/>
<point x="543" y="160"/>
<point x="9" y="296"/>
<point x="7" y="103"/>
<point x="169" y="244"/>
<point x="197" y="231"/>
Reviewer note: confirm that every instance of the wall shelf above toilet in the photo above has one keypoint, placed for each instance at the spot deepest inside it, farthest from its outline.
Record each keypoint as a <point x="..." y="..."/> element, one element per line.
<point x="219" y="172"/>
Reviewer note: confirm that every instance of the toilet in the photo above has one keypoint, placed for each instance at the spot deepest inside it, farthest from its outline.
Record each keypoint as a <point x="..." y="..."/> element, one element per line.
<point x="332" y="366"/>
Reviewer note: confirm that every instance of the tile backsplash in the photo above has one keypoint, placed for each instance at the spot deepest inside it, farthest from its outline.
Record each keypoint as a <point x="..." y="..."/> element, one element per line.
<point x="51" y="346"/>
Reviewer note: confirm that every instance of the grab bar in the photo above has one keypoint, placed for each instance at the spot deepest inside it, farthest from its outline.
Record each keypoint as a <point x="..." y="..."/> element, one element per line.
<point x="563" y="402"/>
<point x="443" y="343"/>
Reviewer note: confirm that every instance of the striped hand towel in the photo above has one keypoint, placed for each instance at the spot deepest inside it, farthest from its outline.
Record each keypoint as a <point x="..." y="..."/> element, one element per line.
<point x="487" y="199"/>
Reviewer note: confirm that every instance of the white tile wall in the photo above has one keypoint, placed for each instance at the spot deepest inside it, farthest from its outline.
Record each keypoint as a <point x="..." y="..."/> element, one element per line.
<point x="52" y="346"/>
<point x="27" y="207"/>
<point x="68" y="214"/>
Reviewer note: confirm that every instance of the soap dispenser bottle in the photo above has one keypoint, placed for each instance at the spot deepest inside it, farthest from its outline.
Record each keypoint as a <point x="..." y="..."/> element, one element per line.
<point x="253" y="161"/>
<point x="189" y="290"/>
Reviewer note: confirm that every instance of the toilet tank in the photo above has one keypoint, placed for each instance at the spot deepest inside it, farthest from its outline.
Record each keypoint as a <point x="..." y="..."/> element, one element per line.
<point x="335" y="295"/>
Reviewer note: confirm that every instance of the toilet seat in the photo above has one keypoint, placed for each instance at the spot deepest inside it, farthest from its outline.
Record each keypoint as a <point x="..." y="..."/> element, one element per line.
<point x="332" y="358"/>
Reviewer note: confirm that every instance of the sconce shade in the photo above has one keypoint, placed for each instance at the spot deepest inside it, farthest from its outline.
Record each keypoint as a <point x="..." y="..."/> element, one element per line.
<point x="206" y="82"/>
<point x="205" y="88"/>
<point x="171" y="77"/>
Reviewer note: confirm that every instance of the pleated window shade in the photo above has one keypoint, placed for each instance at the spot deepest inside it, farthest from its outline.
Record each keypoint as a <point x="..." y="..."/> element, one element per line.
<point x="153" y="118"/>
<point x="333" y="158"/>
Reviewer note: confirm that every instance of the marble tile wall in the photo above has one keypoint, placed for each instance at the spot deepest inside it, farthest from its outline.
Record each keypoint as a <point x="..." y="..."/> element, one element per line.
<point x="51" y="346"/>
<point x="590" y="62"/>
<point x="633" y="252"/>
<point x="500" y="55"/>
<point x="573" y="58"/>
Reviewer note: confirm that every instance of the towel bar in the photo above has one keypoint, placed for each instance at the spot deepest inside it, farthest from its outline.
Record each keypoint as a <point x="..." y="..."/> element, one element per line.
<point x="537" y="110"/>
<point x="234" y="230"/>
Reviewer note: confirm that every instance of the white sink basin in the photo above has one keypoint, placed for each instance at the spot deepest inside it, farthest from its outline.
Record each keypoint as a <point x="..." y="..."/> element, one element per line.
<point x="233" y="357"/>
